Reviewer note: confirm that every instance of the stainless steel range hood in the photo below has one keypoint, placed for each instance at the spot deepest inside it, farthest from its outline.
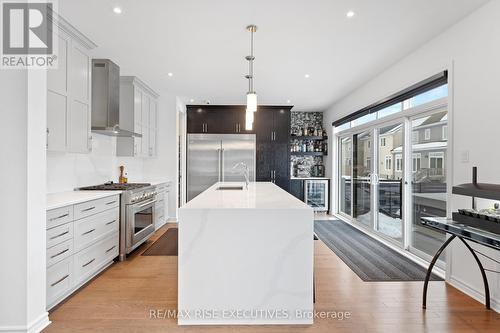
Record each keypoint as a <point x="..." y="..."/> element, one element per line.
<point x="106" y="100"/>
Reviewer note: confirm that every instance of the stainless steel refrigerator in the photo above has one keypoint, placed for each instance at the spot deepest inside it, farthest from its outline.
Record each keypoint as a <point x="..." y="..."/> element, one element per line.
<point x="211" y="158"/>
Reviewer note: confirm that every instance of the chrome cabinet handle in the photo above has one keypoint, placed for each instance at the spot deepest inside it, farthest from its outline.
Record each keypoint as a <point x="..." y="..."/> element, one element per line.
<point x="88" y="209"/>
<point x="111" y="222"/>
<point x="58" y="254"/>
<point x="59" y="217"/>
<point x="47" y="139"/>
<point x="88" y="232"/>
<point x="110" y="248"/>
<point x="91" y="261"/>
<point x="60" y="280"/>
<point x="61" y="234"/>
<point x="110" y="203"/>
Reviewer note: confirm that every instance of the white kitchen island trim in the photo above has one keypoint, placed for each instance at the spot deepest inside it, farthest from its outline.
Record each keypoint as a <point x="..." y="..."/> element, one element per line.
<point x="245" y="257"/>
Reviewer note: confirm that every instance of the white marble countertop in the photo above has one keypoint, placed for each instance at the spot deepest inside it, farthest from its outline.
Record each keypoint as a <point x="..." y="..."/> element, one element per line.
<point x="260" y="195"/>
<point x="62" y="199"/>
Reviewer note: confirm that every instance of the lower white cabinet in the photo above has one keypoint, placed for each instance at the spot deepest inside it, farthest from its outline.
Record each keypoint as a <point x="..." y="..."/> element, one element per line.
<point x="161" y="206"/>
<point x="59" y="281"/>
<point x="82" y="240"/>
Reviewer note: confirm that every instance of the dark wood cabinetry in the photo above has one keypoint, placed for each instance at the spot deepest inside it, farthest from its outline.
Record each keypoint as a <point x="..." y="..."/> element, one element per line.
<point x="216" y="119"/>
<point x="271" y="126"/>
<point x="297" y="188"/>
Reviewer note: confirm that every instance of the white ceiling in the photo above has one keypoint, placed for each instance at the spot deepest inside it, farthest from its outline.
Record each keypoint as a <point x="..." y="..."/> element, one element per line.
<point x="204" y="42"/>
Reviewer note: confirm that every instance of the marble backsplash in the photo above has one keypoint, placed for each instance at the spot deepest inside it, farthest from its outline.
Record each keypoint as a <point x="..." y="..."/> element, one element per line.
<point x="305" y="120"/>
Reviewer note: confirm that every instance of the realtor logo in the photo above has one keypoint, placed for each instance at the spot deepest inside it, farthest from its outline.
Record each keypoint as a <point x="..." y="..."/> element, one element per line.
<point x="26" y="28"/>
<point x="27" y="34"/>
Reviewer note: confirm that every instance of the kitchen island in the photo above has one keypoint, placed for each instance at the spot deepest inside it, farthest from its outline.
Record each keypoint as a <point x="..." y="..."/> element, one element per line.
<point x="245" y="257"/>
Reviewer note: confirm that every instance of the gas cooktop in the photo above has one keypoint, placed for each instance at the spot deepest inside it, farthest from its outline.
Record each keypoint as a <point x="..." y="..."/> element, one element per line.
<point x="114" y="187"/>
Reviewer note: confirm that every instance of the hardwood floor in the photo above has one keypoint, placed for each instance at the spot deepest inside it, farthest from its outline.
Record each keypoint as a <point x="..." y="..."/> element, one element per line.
<point x="120" y="300"/>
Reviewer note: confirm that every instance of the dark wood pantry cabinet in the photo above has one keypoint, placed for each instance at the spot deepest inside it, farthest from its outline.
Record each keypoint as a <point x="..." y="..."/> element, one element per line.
<point x="271" y="127"/>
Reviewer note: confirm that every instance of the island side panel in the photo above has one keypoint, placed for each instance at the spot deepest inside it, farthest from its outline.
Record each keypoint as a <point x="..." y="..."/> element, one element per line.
<point x="245" y="259"/>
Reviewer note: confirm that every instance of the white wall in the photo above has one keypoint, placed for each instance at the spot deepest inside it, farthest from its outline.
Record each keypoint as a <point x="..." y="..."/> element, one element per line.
<point x="473" y="47"/>
<point x="22" y="210"/>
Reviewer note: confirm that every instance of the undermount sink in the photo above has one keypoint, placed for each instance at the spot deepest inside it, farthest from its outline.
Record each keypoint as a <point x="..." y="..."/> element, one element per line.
<point x="228" y="188"/>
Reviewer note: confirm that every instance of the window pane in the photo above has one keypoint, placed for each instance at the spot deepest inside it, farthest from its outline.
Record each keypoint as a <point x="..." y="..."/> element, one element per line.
<point x="430" y="96"/>
<point x="389" y="110"/>
<point x="364" y="119"/>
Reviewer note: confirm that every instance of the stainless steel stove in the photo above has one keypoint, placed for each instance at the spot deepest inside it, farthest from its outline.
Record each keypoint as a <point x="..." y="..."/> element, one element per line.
<point x="137" y="213"/>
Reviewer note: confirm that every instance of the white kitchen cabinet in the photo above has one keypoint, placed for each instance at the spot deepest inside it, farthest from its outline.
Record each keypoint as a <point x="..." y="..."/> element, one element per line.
<point x="161" y="207"/>
<point x="68" y="93"/>
<point x="138" y="105"/>
<point x="82" y="240"/>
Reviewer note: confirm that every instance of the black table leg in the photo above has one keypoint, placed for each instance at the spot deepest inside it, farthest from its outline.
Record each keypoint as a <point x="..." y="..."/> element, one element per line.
<point x="483" y="273"/>
<point x="429" y="270"/>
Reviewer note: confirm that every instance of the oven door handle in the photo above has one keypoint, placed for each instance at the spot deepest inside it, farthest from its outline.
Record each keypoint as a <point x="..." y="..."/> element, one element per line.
<point x="147" y="203"/>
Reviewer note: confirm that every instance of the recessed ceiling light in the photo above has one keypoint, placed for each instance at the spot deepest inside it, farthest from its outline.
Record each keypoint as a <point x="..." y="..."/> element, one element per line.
<point x="307" y="76"/>
<point x="350" y="14"/>
<point x="170" y="74"/>
<point x="288" y="101"/>
<point x="117" y="10"/>
<point x="191" y="100"/>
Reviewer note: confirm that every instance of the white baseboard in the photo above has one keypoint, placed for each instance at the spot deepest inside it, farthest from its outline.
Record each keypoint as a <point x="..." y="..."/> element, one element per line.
<point x="172" y="220"/>
<point x="35" y="326"/>
<point x="472" y="292"/>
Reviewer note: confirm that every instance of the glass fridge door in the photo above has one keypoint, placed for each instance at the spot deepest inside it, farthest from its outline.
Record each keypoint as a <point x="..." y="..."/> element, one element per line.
<point x="316" y="194"/>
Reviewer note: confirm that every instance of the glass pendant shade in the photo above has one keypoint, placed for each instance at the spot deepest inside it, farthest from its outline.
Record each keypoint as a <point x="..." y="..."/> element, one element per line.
<point x="248" y="120"/>
<point x="252" y="101"/>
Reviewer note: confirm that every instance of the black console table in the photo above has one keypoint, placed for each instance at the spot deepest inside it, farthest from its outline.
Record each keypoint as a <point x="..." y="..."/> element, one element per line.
<point x="464" y="233"/>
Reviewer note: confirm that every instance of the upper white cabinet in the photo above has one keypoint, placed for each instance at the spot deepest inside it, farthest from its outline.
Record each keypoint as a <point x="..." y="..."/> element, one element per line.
<point x="68" y="93"/>
<point x="139" y="105"/>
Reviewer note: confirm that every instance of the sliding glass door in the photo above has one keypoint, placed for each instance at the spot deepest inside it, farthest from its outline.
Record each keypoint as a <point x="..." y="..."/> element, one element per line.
<point x="361" y="180"/>
<point x="392" y="174"/>
<point x="389" y="182"/>
<point x="429" y="149"/>
<point x="345" y="158"/>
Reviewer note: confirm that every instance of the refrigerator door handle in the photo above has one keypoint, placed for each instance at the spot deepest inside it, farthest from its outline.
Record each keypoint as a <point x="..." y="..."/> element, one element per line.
<point x="222" y="163"/>
<point x="218" y="164"/>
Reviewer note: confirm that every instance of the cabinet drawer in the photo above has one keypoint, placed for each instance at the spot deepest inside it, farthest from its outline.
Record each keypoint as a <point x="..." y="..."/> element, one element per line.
<point x="95" y="206"/>
<point x="59" y="280"/>
<point x="59" y="252"/>
<point x="90" y="260"/>
<point x="59" y="216"/>
<point x="59" y="234"/>
<point x="95" y="227"/>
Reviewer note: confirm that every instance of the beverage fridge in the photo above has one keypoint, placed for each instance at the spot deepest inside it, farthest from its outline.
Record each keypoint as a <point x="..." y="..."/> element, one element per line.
<point x="211" y="157"/>
<point x="316" y="194"/>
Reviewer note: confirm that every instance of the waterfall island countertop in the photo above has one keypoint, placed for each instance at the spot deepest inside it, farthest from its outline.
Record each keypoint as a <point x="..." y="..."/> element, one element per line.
<point x="245" y="257"/>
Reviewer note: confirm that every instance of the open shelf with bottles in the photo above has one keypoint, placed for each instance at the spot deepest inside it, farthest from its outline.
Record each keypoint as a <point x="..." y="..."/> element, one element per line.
<point x="309" y="153"/>
<point x="306" y="137"/>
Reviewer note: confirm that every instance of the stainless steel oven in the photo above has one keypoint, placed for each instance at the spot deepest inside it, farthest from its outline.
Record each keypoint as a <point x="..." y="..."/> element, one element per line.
<point x="138" y="218"/>
<point x="140" y="221"/>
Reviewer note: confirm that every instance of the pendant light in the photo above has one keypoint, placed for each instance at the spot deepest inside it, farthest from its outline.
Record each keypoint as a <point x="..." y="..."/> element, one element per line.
<point x="251" y="94"/>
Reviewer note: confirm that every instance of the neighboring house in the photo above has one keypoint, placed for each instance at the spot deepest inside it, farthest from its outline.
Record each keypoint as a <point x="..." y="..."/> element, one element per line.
<point x="429" y="145"/>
